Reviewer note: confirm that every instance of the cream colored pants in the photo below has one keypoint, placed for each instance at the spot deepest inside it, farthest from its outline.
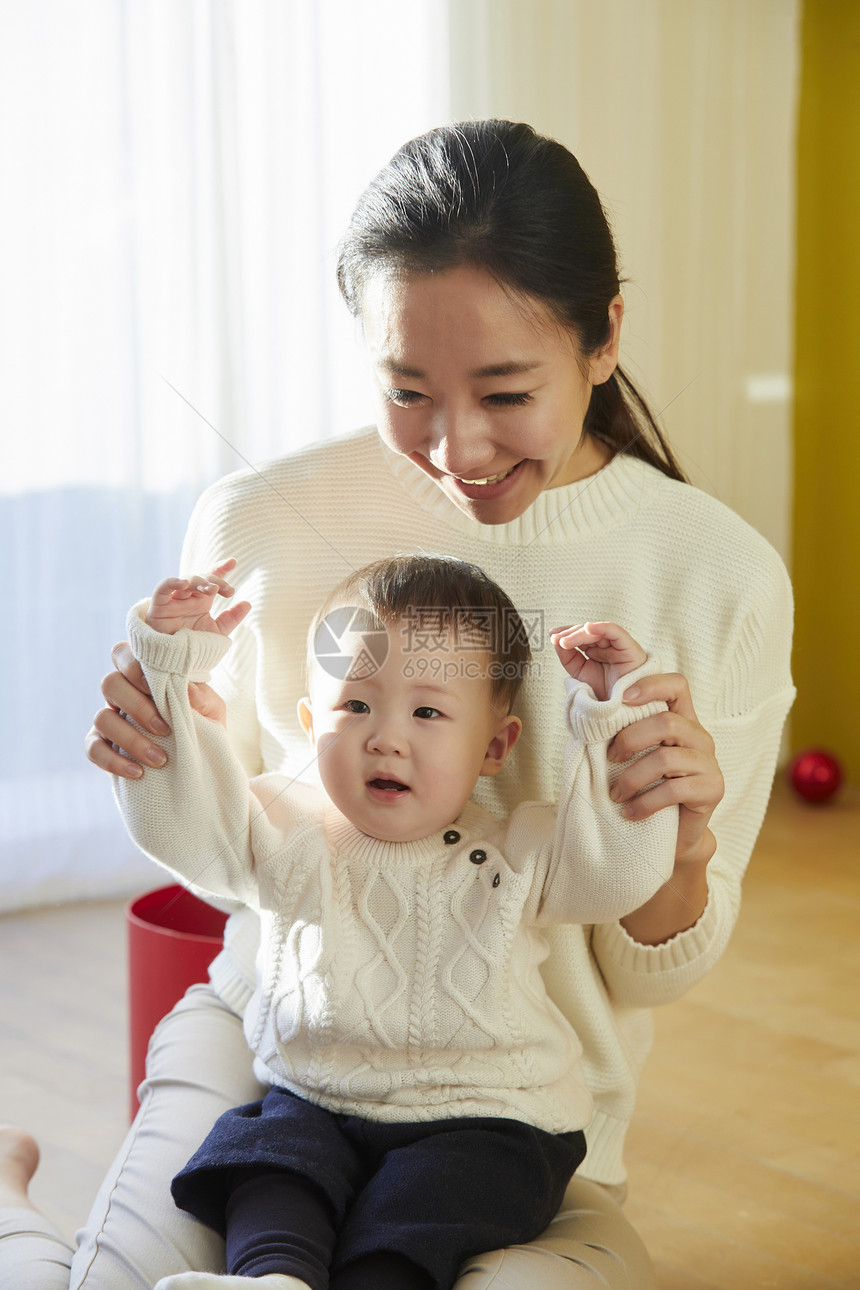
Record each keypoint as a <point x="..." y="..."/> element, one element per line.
<point x="135" y="1234"/>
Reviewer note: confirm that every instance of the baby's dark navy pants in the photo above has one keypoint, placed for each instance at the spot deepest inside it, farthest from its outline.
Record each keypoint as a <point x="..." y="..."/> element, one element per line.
<point x="431" y="1193"/>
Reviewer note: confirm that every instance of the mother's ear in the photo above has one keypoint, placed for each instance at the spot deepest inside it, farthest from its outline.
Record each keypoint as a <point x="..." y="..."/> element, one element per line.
<point x="602" y="364"/>
<point x="306" y="717"/>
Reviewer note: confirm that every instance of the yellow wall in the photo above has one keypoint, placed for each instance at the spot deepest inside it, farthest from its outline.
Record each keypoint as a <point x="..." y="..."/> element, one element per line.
<point x="827" y="372"/>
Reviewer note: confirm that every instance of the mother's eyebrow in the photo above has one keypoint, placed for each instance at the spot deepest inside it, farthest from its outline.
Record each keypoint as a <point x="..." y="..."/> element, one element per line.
<point x="509" y="368"/>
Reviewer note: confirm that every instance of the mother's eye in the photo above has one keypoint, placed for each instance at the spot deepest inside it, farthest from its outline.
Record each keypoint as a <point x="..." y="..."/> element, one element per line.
<point x="507" y="400"/>
<point x="403" y="398"/>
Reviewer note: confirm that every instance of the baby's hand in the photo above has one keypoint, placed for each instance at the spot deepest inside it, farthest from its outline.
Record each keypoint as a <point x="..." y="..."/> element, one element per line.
<point x="597" y="653"/>
<point x="186" y="602"/>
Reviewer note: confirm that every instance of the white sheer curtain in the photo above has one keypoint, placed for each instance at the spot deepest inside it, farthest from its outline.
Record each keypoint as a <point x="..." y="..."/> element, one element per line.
<point x="176" y="174"/>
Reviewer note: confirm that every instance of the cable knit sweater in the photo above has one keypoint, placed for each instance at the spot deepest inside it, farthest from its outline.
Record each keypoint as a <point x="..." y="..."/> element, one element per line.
<point x="399" y="981"/>
<point x="672" y="565"/>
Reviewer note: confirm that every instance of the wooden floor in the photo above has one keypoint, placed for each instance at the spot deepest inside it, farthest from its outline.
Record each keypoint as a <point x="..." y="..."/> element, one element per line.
<point x="744" y="1156"/>
<point x="63" y="1047"/>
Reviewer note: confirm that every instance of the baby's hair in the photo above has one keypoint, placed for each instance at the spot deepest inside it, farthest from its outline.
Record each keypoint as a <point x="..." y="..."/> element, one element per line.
<point x="438" y="593"/>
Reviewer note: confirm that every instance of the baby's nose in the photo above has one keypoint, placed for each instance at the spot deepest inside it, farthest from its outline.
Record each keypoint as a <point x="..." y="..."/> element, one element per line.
<point x="388" y="741"/>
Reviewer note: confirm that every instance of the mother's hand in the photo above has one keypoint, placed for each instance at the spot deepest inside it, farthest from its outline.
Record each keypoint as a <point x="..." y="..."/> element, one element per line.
<point x="682" y="758"/>
<point x="113" y="743"/>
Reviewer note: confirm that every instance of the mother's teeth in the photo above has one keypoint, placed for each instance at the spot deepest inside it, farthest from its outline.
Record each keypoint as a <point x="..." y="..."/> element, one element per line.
<point x="491" y="479"/>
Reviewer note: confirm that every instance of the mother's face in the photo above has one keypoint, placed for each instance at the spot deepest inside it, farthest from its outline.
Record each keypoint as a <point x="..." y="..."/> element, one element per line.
<point x="483" y="391"/>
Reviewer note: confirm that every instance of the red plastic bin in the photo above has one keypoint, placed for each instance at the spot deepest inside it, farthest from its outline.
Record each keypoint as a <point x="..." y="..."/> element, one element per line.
<point x="172" y="938"/>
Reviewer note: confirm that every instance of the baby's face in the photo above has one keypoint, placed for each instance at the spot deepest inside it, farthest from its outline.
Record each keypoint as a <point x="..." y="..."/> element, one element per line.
<point x="400" y="751"/>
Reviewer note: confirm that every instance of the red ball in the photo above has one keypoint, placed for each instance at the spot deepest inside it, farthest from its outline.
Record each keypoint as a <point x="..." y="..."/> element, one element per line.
<point x="815" y="775"/>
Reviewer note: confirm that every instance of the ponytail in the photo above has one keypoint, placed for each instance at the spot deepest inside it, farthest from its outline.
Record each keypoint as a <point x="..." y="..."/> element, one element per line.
<point x="619" y="417"/>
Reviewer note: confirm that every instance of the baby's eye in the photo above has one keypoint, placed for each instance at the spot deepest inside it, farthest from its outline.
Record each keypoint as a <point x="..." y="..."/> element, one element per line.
<point x="355" y="705"/>
<point x="403" y="398"/>
<point x="426" y="713"/>
<point x="507" y="400"/>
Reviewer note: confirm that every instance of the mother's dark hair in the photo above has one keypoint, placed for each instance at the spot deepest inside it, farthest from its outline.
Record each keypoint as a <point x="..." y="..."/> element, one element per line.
<point x="499" y="196"/>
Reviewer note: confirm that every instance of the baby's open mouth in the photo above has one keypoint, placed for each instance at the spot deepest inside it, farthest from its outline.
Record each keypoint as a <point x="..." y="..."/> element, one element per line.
<point x="389" y="785"/>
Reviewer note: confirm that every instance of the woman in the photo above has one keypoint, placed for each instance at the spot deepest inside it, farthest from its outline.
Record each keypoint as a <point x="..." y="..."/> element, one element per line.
<point x="482" y="268"/>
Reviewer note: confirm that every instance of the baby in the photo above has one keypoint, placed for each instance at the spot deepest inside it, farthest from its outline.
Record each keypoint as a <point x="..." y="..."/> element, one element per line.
<point x="427" y="1100"/>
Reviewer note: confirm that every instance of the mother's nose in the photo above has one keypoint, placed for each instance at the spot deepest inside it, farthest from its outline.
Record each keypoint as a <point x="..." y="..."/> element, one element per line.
<point x="460" y="444"/>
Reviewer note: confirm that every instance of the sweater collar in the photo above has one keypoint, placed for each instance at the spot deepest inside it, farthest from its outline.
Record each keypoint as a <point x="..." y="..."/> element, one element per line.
<point x="556" y="515"/>
<point x="345" y="839"/>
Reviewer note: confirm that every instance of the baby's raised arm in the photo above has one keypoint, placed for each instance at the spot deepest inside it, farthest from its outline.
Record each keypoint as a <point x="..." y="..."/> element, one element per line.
<point x="200" y="816"/>
<point x="600" y="865"/>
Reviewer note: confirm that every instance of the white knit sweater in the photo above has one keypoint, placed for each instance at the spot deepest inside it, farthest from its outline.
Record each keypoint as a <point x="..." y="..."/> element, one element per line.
<point x="685" y="575"/>
<point x="399" y="981"/>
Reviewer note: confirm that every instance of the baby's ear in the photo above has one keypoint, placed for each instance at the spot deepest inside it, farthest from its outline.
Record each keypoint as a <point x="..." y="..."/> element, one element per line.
<point x="507" y="733"/>
<point x="306" y="717"/>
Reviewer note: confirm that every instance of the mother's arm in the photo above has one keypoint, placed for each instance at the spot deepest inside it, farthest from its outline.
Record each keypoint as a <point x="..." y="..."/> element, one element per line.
<point x="683" y="760"/>
<point x="668" y="945"/>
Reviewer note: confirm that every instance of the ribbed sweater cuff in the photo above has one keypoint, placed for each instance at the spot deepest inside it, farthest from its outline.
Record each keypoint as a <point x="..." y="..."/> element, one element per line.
<point x="633" y="960"/>
<point x="186" y="653"/>
<point x="592" y="720"/>
<point x="229" y="983"/>
<point x="604" y="1160"/>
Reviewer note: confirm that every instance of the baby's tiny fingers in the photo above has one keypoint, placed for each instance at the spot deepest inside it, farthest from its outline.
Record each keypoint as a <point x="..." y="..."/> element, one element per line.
<point x="571" y="638"/>
<point x="210" y="583"/>
<point x="225" y="567"/>
<point x="230" y="618"/>
<point x="168" y="586"/>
